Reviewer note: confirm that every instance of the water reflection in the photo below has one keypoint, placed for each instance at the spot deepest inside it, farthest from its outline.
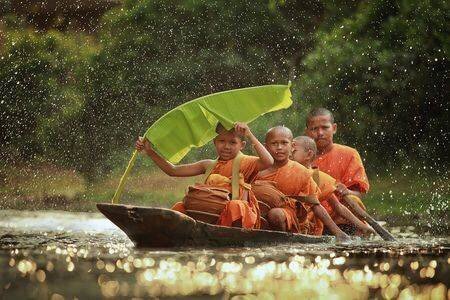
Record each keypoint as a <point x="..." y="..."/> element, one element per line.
<point x="85" y="264"/>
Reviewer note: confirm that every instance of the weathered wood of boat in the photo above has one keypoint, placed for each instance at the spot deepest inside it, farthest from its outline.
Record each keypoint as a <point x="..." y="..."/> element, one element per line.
<point x="160" y="227"/>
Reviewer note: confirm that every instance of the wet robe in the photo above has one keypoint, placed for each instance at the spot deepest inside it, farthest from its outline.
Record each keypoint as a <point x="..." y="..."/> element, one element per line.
<point x="344" y="164"/>
<point x="327" y="186"/>
<point x="237" y="209"/>
<point x="292" y="179"/>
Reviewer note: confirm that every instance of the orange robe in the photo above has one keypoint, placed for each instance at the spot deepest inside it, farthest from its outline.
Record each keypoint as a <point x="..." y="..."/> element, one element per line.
<point x="344" y="164"/>
<point x="327" y="186"/>
<point x="292" y="179"/>
<point x="236" y="209"/>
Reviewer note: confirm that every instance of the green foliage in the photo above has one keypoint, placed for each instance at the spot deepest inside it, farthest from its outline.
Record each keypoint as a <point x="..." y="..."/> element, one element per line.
<point x="81" y="100"/>
<point x="153" y="56"/>
<point x="5" y="7"/>
<point x="384" y="72"/>
<point x="41" y="91"/>
<point x="158" y="54"/>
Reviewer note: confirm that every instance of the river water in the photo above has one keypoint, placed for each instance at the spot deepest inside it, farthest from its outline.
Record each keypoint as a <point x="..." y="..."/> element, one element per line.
<point x="67" y="255"/>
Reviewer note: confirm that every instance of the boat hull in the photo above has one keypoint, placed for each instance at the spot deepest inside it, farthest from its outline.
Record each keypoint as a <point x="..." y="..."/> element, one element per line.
<point x="162" y="228"/>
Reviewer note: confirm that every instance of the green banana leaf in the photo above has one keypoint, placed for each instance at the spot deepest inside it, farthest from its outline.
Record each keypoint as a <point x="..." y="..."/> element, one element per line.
<point x="193" y="123"/>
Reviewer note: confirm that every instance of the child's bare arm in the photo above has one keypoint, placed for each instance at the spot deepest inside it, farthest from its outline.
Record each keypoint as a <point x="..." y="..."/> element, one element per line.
<point x="265" y="159"/>
<point x="321" y="213"/>
<point x="349" y="216"/>
<point x="186" y="170"/>
<point x="342" y="190"/>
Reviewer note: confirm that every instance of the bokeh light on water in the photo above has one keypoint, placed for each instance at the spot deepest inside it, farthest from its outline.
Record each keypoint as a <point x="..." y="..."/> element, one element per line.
<point x="75" y="259"/>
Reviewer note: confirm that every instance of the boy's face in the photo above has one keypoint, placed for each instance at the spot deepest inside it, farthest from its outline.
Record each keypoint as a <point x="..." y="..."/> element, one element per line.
<point x="228" y="144"/>
<point x="300" y="154"/>
<point x="279" y="145"/>
<point x="321" y="130"/>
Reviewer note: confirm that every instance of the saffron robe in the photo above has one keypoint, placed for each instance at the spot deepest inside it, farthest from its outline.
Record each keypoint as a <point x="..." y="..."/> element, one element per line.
<point x="245" y="210"/>
<point x="292" y="179"/>
<point x="344" y="164"/>
<point x="327" y="186"/>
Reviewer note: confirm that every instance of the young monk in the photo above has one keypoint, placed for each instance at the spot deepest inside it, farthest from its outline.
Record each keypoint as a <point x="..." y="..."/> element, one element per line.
<point x="228" y="144"/>
<point x="304" y="151"/>
<point x="293" y="179"/>
<point x="341" y="162"/>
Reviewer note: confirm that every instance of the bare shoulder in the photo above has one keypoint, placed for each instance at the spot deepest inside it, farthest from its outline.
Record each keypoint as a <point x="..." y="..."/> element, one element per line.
<point x="249" y="159"/>
<point x="198" y="167"/>
<point x="206" y="163"/>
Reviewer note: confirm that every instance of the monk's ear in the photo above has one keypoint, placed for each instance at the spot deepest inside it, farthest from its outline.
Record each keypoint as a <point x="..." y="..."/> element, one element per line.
<point x="243" y="143"/>
<point x="311" y="155"/>
<point x="334" y="128"/>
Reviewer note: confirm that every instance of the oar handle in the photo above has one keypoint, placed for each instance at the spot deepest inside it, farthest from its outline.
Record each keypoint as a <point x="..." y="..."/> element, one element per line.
<point x="119" y="189"/>
<point x="386" y="235"/>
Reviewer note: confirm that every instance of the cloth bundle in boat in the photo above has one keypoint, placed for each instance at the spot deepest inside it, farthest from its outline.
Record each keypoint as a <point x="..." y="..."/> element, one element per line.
<point x="241" y="204"/>
<point x="207" y="198"/>
<point x="270" y="197"/>
<point x="206" y="202"/>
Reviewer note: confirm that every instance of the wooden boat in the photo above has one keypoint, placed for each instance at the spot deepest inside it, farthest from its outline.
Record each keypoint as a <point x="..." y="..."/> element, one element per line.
<point x="160" y="227"/>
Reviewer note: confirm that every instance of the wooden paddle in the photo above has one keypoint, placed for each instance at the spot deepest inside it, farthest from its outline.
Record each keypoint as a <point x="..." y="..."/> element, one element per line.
<point x="359" y="212"/>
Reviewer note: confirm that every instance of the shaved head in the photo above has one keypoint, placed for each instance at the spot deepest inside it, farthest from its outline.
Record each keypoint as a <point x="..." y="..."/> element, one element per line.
<point x="306" y="142"/>
<point x="279" y="130"/>
<point x="279" y="144"/>
<point x="318" y="112"/>
<point x="304" y="150"/>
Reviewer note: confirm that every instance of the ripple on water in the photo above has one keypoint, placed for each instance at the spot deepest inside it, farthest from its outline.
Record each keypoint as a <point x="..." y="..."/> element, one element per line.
<point x="51" y="259"/>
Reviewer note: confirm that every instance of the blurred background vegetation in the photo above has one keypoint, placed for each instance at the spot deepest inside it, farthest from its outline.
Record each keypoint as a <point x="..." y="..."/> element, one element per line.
<point x="79" y="81"/>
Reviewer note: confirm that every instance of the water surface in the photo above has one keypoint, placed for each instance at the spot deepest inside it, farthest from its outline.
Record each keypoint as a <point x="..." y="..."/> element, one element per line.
<point x="66" y="255"/>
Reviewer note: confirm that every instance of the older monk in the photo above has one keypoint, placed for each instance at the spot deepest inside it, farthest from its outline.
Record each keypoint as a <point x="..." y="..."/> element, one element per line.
<point x="341" y="162"/>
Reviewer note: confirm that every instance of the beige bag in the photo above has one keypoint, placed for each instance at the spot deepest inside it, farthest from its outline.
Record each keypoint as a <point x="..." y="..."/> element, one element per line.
<point x="206" y="202"/>
<point x="268" y="196"/>
<point x="205" y="199"/>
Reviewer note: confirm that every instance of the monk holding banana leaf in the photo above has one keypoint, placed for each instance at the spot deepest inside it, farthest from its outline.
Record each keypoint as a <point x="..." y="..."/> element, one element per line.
<point x="237" y="212"/>
<point x="221" y="117"/>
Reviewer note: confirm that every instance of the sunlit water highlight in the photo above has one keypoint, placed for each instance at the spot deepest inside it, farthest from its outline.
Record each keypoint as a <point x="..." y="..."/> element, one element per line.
<point x="62" y="255"/>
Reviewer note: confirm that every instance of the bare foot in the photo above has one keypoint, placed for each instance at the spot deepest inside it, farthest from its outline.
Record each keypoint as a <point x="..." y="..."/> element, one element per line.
<point x="367" y="231"/>
<point x="343" y="238"/>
